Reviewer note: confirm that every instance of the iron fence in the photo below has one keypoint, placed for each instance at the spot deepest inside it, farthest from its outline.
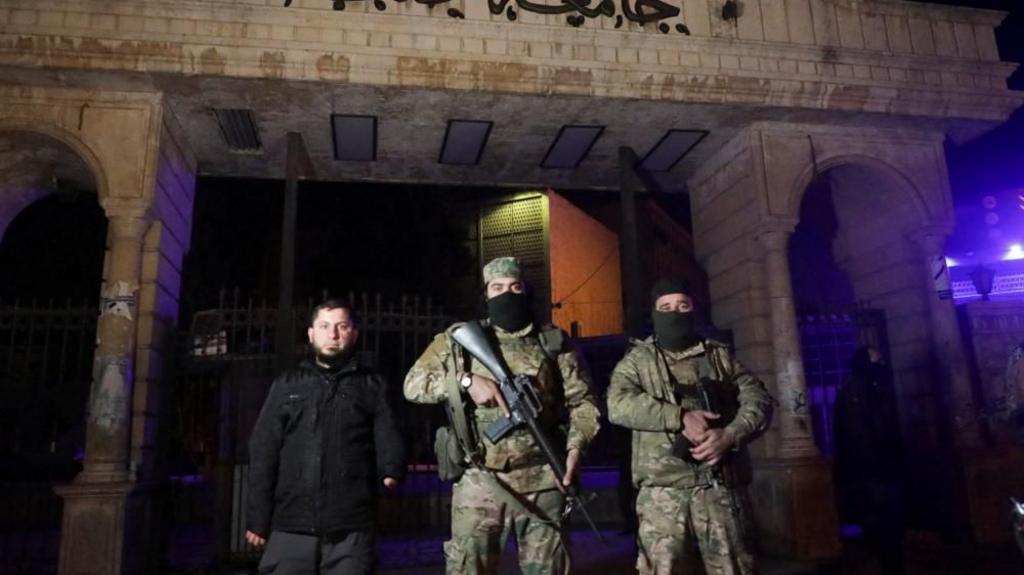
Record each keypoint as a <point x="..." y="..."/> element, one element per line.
<point x="46" y="353"/>
<point x="828" y="341"/>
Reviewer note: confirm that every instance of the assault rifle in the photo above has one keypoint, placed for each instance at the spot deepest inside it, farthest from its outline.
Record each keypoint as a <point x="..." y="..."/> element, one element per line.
<point x="524" y="408"/>
<point x="709" y="397"/>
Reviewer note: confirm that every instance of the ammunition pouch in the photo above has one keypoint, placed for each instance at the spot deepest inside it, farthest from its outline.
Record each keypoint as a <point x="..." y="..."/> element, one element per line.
<point x="451" y="457"/>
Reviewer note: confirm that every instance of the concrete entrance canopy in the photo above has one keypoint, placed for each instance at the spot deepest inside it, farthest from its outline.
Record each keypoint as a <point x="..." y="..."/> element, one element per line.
<point x="818" y="61"/>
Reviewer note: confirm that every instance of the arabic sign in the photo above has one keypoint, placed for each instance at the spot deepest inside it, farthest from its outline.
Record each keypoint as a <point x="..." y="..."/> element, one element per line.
<point x="577" y="12"/>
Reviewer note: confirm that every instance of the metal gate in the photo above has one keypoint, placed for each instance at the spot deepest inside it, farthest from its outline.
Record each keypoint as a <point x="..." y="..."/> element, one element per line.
<point x="46" y="353"/>
<point x="828" y="341"/>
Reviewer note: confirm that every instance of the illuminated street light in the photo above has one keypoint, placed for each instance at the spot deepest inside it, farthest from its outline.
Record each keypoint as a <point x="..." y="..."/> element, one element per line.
<point x="1016" y="252"/>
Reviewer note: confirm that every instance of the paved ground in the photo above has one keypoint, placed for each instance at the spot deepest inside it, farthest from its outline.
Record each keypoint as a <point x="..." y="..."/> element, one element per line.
<point x="616" y="555"/>
<point x="421" y="555"/>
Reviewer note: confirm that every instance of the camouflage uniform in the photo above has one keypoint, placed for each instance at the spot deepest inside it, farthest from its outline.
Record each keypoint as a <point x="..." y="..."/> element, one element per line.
<point x="481" y="521"/>
<point x="682" y="501"/>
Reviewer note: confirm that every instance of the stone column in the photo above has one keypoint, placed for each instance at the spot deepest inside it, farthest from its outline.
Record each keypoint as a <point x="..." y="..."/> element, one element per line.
<point x="795" y="436"/>
<point x="947" y="344"/>
<point x="109" y="427"/>
<point x="792" y="491"/>
<point x="95" y="537"/>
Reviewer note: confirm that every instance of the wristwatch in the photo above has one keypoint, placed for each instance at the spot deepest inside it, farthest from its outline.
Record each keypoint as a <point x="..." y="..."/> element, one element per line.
<point x="466" y="381"/>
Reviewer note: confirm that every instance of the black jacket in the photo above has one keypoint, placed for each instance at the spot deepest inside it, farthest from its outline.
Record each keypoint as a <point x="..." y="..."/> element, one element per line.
<point x="868" y="442"/>
<point x="322" y="444"/>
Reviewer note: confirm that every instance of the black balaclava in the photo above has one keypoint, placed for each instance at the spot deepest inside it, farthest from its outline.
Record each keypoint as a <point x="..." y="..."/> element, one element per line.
<point x="674" y="331"/>
<point x="510" y="311"/>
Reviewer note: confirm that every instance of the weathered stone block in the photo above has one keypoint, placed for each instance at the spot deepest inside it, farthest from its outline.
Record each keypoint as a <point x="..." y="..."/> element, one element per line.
<point x="21" y="17"/>
<point x="773" y="14"/>
<point x="495" y="47"/>
<point x="357" y="37"/>
<point x="101" y="21"/>
<point x="307" y="34"/>
<point x="990" y="477"/>
<point x="921" y="36"/>
<point x="425" y="42"/>
<point x="401" y="41"/>
<point x="449" y="44"/>
<point x="798" y="16"/>
<point x="794" y="508"/>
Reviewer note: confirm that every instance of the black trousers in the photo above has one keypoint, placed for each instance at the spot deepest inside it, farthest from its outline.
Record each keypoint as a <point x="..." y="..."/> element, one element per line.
<point x="350" y="553"/>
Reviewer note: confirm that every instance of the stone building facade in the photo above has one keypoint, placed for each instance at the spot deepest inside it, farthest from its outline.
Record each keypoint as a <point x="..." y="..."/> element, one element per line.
<point x="863" y="92"/>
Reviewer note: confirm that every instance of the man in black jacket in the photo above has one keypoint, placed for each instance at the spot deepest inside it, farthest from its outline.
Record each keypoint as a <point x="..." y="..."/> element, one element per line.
<point x="323" y="442"/>
<point x="870" y="462"/>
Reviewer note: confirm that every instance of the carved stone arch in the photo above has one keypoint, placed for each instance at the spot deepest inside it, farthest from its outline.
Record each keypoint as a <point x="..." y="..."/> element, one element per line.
<point x="78" y="145"/>
<point x="49" y="143"/>
<point x="900" y="180"/>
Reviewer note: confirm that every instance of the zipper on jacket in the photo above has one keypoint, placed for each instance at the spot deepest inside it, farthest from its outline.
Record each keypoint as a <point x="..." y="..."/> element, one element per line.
<point x="318" y="520"/>
<point x="320" y="404"/>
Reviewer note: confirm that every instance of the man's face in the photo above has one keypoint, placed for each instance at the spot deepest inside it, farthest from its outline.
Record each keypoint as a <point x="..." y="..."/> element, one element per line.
<point x="332" y="332"/>
<point x="875" y="356"/>
<point x="498" y="286"/>
<point x="677" y="302"/>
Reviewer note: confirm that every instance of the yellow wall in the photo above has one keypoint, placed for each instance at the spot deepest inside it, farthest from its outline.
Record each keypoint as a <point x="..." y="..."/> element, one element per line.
<point x="581" y="248"/>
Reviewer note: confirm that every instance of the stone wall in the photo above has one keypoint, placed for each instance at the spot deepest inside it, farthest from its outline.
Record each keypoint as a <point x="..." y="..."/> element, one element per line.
<point x="996" y="327"/>
<point x="164" y="249"/>
<point x="879" y="56"/>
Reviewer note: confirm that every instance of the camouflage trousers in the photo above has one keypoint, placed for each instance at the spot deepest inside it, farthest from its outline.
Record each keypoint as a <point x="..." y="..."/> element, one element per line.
<point x="675" y="523"/>
<point x="482" y="522"/>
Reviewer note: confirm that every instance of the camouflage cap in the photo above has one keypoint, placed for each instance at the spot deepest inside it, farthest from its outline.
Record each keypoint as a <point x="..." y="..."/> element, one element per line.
<point x="506" y="267"/>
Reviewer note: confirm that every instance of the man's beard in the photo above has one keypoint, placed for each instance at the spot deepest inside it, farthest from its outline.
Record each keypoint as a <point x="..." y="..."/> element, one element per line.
<point x="333" y="357"/>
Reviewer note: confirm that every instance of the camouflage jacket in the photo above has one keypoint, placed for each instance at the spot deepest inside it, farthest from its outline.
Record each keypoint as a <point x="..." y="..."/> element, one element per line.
<point x="561" y="383"/>
<point x="640" y="397"/>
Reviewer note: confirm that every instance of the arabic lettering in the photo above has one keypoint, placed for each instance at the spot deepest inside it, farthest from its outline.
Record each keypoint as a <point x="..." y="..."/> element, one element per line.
<point x="576" y="12"/>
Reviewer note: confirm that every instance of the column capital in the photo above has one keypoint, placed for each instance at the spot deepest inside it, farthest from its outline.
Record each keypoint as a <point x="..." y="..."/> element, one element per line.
<point x="128" y="226"/>
<point x="125" y="207"/>
<point x="775" y="237"/>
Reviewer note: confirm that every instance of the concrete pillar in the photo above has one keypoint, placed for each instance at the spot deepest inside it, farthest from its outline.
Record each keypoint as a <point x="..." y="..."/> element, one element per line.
<point x="947" y="345"/>
<point x="96" y="538"/>
<point x="796" y="439"/>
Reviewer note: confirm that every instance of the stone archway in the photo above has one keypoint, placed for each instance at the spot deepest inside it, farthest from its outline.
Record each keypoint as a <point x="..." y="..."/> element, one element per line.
<point x="877" y="212"/>
<point x="144" y="175"/>
<point x="874" y="248"/>
<point x="52" y="237"/>
<point x="35" y="164"/>
<point x="745" y="202"/>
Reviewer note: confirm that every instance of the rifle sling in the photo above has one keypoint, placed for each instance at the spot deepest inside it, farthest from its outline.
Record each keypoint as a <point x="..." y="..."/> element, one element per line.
<point x="457" y="413"/>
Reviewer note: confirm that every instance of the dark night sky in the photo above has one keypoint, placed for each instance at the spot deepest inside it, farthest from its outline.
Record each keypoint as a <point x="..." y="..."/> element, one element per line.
<point x="991" y="165"/>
